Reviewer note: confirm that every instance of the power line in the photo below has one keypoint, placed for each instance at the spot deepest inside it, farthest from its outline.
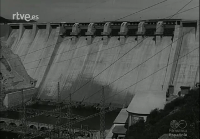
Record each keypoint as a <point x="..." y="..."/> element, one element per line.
<point x="141" y="63"/>
<point x="140" y="81"/>
<point x="59" y="107"/>
<point x="154" y="54"/>
<point x="87" y="45"/>
<point x="102" y="115"/>
<point x="136" y="66"/>
<point x="91" y="116"/>
<point x="116" y="60"/>
<point x="79" y="88"/>
<point x="23" y="120"/>
<point x="80" y="47"/>
<point x="108" y="67"/>
<point x="171" y="45"/>
<point x="66" y="39"/>
<point x="153" y="73"/>
<point x="189" y="9"/>
<point x="141" y="10"/>
<point x="181" y="8"/>
<point x="68" y="14"/>
<point x="84" y="45"/>
<point x="158" y="70"/>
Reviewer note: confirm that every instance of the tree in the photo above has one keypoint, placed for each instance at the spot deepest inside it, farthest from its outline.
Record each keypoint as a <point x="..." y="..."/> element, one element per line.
<point x="137" y="129"/>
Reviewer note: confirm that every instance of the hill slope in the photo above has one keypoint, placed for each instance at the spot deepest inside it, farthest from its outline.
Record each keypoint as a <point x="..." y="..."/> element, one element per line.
<point x="158" y="122"/>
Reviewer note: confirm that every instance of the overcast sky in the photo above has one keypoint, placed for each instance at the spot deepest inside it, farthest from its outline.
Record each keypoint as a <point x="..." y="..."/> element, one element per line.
<point x="97" y="10"/>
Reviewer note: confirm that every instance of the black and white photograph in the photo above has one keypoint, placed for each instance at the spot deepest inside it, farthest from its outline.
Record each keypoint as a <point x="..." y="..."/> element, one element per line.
<point x="99" y="69"/>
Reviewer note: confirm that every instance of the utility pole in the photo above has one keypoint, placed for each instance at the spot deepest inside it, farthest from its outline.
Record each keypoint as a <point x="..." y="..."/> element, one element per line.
<point x="102" y="115"/>
<point x="69" y="117"/>
<point x="24" y="114"/>
<point x="69" y="122"/>
<point x="59" y="107"/>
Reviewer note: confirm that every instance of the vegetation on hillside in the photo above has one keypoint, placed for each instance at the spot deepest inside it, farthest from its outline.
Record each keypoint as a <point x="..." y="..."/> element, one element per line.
<point x="158" y="122"/>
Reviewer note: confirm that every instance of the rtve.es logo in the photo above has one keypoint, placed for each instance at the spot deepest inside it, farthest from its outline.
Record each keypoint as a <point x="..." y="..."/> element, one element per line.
<point x="26" y="17"/>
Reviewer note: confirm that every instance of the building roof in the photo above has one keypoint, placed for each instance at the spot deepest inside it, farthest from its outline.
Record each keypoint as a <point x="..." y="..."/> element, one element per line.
<point x="144" y="103"/>
<point x="122" y="117"/>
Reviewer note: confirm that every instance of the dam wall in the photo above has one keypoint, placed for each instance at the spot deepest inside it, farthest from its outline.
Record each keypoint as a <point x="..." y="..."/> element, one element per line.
<point x="187" y="67"/>
<point x="127" y="58"/>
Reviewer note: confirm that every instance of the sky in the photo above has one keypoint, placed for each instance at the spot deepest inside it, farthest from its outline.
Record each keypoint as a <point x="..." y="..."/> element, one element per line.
<point x="98" y="10"/>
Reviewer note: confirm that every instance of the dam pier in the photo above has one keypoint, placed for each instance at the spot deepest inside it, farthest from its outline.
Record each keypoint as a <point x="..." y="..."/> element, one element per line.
<point x="93" y="80"/>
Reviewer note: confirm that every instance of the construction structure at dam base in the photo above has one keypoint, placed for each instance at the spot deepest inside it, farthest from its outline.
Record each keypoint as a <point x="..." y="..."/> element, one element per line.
<point x="93" y="80"/>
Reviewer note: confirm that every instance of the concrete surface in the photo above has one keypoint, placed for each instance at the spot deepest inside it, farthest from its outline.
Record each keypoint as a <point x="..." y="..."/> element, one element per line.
<point x="74" y="65"/>
<point x="12" y="40"/>
<point x="122" y="117"/>
<point x="17" y="77"/>
<point x="187" y="68"/>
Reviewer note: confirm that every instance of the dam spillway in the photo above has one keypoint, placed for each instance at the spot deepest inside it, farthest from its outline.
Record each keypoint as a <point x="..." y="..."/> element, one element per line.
<point x="134" y="63"/>
<point x="83" y="63"/>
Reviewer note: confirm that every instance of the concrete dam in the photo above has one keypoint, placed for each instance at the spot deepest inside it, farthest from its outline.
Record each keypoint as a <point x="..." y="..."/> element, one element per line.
<point x="134" y="61"/>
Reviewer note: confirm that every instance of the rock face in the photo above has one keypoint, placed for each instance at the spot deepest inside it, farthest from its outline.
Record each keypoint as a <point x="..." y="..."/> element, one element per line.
<point x="13" y="74"/>
<point x="82" y="62"/>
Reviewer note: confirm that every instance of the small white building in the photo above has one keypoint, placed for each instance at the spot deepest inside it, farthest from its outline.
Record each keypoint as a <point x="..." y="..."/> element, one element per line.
<point x="142" y="104"/>
<point x="139" y="108"/>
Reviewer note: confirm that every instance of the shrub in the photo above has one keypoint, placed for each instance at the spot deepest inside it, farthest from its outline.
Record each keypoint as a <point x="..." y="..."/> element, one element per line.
<point x="158" y="121"/>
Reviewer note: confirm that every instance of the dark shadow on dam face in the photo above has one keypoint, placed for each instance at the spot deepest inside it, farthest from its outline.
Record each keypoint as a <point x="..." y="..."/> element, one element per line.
<point x="88" y="91"/>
